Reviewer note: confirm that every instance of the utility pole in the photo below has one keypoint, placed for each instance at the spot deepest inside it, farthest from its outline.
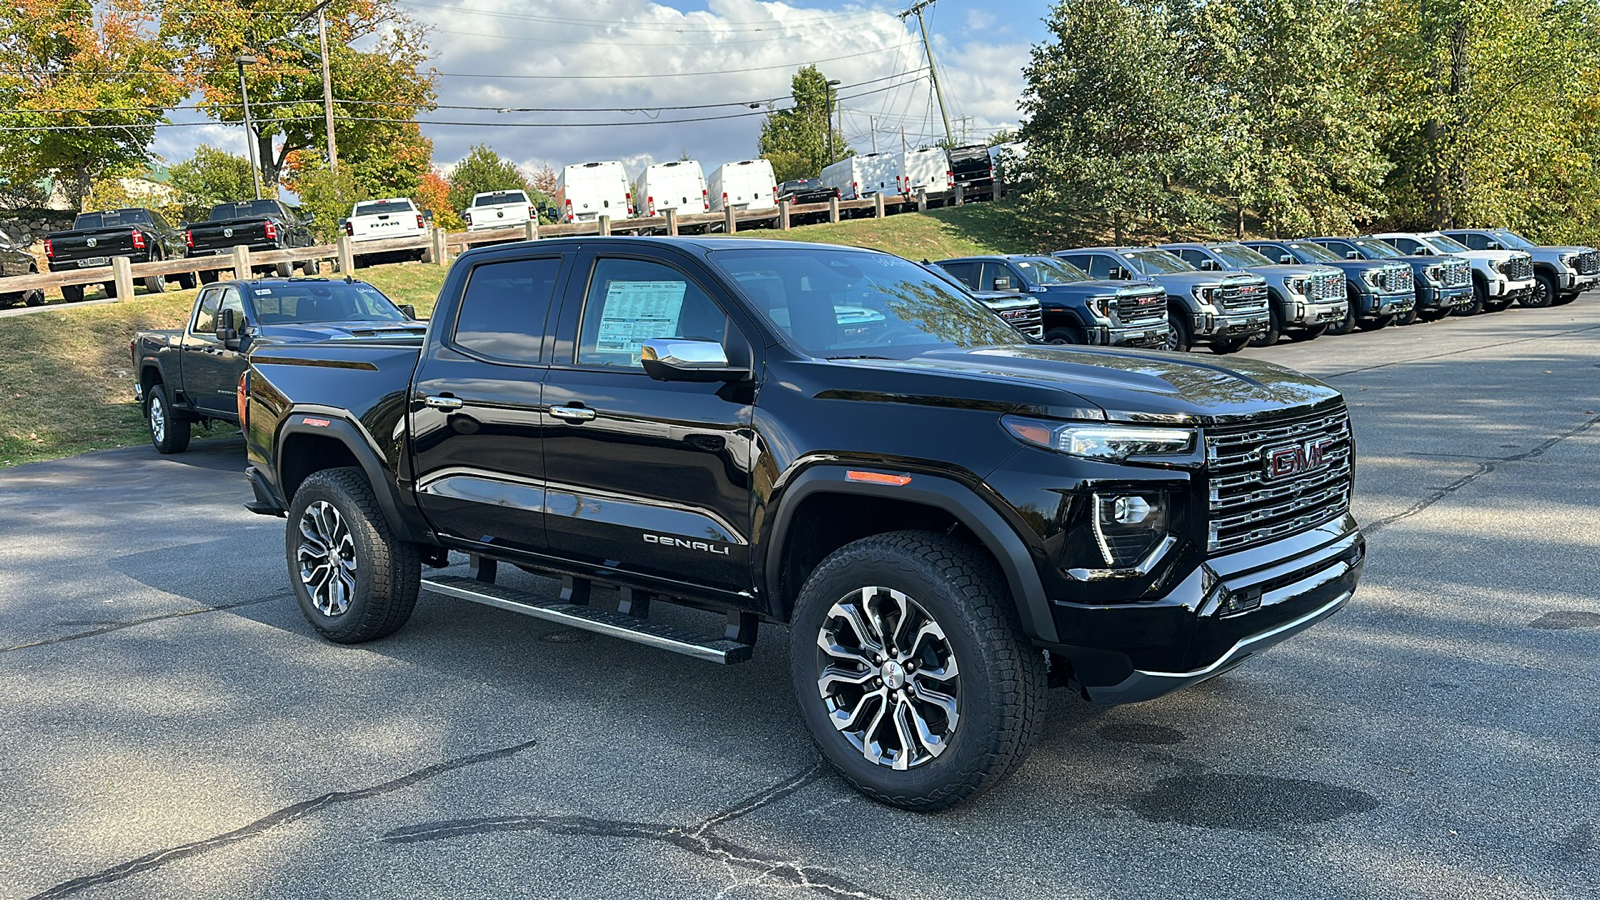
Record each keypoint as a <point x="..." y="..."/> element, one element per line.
<point x="827" y="121"/>
<point x="249" y="126"/>
<point x="872" y="122"/>
<point x="327" y="87"/>
<point x="933" y="71"/>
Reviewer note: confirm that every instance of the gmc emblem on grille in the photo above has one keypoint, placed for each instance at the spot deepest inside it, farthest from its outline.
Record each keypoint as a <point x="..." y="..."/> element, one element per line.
<point x="1295" y="459"/>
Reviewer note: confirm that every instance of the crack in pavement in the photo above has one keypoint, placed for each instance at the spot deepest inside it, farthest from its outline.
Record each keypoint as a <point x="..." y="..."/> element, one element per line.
<point x="1448" y="353"/>
<point x="693" y="839"/>
<point x="266" y="823"/>
<point x="118" y="626"/>
<point x="1481" y="470"/>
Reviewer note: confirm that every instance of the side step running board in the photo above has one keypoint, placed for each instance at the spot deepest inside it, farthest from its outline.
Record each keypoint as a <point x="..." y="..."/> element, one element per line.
<point x="601" y="621"/>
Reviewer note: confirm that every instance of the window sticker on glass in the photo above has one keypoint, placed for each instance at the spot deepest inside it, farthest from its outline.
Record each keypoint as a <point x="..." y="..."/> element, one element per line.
<point x="263" y="292"/>
<point x="636" y="311"/>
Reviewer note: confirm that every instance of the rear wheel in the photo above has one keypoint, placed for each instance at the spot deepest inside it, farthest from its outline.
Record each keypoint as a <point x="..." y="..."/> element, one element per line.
<point x="1180" y="336"/>
<point x="353" y="579"/>
<point x="110" y="289"/>
<point x="283" y="270"/>
<point x="72" y="293"/>
<point x="1545" y="292"/>
<point x="169" y="432"/>
<point x="155" y="284"/>
<point x="913" y="674"/>
<point x="186" y="280"/>
<point x="311" y="267"/>
<point x="1063" y="336"/>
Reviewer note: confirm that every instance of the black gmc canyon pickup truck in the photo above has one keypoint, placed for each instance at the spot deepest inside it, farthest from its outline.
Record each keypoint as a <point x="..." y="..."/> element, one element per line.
<point x="192" y="375"/>
<point x="261" y="225"/>
<point x="142" y="235"/>
<point x="946" y="517"/>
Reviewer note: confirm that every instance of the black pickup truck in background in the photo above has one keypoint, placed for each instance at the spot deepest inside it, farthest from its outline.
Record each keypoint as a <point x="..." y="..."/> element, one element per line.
<point x="973" y="171"/>
<point x="16" y="261"/>
<point x="189" y="376"/>
<point x="261" y="225"/>
<point x="946" y="516"/>
<point x="141" y="235"/>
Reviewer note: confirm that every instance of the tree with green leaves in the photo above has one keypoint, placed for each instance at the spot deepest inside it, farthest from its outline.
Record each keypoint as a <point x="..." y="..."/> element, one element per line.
<point x="1291" y="134"/>
<point x="797" y="140"/>
<point x="379" y="90"/>
<point x="1114" y="125"/>
<point x="481" y="171"/>
<point x="208" y="178"/>
<point x="87" y="84"/>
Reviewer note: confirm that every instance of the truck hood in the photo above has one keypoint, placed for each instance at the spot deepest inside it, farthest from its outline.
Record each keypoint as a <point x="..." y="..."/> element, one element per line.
<point x="1100" y="288"/>
<point x="1294" y="270"/>
<point x="1558" y="249"/>
<point x="1496" y="256"/>
<point x="1097" y="383"/>
<point x="307" y="332"/>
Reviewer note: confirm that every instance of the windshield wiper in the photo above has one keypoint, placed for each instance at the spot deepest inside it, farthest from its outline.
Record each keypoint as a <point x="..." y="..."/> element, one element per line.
<point x="859" y="356"/>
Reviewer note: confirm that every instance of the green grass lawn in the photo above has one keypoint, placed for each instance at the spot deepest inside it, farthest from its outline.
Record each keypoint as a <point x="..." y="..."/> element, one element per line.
<point x="66" y="376"/>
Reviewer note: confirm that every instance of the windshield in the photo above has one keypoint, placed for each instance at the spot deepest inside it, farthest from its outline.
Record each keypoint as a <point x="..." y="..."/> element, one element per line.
<point x="1045" y="270"/>
<point x="1445" y="244"/>
<point x="499" y="198"/>
<point x="854" y="304"/>
<point x="244" y="208"/>
<point x="803" y="184"/>
<point x="1156" y="262"/>
<point x="112" y="218"/>
<point x="1240" y="256"/>
<point x="379" y="207"/>
<point x="1316" y="252"/>
<point x="1513" y="241"/>
<point x="1376" y="248"/>
<point x="322" y="301"/>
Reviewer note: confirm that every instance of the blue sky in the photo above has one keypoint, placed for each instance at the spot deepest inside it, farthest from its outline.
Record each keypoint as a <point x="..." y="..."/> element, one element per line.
<point x="980" y="48"/>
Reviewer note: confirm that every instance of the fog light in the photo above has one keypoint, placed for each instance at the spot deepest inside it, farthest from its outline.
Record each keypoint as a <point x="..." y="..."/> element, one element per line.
<point x="1127" y="527"/>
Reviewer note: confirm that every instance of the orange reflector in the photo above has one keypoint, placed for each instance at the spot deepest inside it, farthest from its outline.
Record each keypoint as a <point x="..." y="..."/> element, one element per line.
<point x="878" y="478"/>
<point x="316" y="423"/>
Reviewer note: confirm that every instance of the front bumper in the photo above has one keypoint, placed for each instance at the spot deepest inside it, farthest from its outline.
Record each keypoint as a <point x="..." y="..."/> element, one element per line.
<point x="1516" y="290"/>
<point x="1225" y="611"/>
<point x="1573" y="283"/>
<point x="1304" y="312"/>
<point x="1231" y="325"/>
<point x="1443" y="297"/>
<point x="1153" y="334"/>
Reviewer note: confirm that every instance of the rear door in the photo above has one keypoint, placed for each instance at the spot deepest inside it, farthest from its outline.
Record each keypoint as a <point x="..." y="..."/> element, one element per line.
<point x="644" y="476"/>
<point x="475" y="409"/>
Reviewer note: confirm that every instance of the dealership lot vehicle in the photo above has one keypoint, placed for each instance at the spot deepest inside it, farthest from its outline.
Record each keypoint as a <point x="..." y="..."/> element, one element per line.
<point x="1376" y="290"/>
<point x="379" y="220"/>
<point x="727" y="430"/>
<point x="1075" y="308"/>
<point x="745" y="185"/>
<point x="261" y="225"/>
<point x="1499" y="277"/>
<point x="192" y="376"/>
<point x="169" y="711"/>
<point x="499" y="209"/>
<point x="1306" y="299"/>
<point x="1223" y="311"/>
<point x="15" y="260"/>
<point x="1561" y="273"/>
<point x="1396" y="278"/>
<point x="587" y="191"/>
<point x="140" y="235"/>
<point x="678" y="185"/>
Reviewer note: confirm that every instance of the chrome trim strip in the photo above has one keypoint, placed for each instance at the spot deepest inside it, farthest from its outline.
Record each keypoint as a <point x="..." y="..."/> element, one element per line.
<point x="1142" y="569"/>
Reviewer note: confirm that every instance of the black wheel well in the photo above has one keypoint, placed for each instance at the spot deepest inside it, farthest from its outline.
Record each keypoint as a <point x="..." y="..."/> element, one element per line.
<point x="149" y="377"/>
<point x="303" y="454"/>
<point x="824" y="522"/>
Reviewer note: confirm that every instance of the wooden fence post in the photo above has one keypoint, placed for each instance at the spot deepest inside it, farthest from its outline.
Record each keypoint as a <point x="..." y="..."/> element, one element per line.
<point x="877" y="206"/>
<point x="783" y="215"/>
<point x="960" y="194"/>
<point x="347" y="256"/>
<point x="122" y="277"/>
<point x="530" y="230"/>
<point x="833" y="209"/>
<point x="672" y="221"/>
<point x="241" y="263"/>
<point x="730" y="222"/>
<point x="922" y="199"/>
<point x="605" y="226"/>
<point x="441" y="254"/>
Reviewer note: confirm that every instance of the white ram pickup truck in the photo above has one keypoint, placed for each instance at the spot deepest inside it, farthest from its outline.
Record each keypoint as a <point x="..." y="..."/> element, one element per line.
<point x="498" y="209"/>
<point x="382" y="220"/>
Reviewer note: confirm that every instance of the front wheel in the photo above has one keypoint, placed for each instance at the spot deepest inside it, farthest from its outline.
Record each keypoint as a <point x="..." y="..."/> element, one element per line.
<point x="1274" y="332"/>
<point x="169" y="432"/>
<point x="72" y="293"/>
<point x="1409" y="317"/>
<point x="210" y="276"/>
<point x="1480" y="299"/>
<point x="1063" y="336"/>
<point x="1348" y="323"/>
<point x="1545" y="292"/>
<point x="311" y="268"/>
<point x="912" y="672"/>
<point x="1223" y="348"/>
<point x="353" y="579"/>
<point x="1376" y="322"/>
<point x="1180" y="336"/>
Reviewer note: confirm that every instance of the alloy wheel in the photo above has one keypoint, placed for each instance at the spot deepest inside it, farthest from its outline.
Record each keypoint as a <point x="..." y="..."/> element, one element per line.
<point x="888" y="677"/>
<point x="327" y="559"/>
<point x="158" y="418"/>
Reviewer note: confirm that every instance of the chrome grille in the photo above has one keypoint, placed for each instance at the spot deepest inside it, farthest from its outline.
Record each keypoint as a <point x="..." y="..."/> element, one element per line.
<point x="1519" y="268"/>
<point x="1395" y="279"/>
<point x="1027" y="319"/>
<point x="1248" y="507"/>
<point x="1455" y="273"/>
<point x="1141" y="307"/>
<point x="1326" y="287"/>
<point x="1244" y="296"/>
<point x="1588" y="262"/>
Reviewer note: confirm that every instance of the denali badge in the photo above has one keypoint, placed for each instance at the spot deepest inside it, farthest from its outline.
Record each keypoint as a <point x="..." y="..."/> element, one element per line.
<point x="667" y="540"/>
<point x="1295" y="459"/>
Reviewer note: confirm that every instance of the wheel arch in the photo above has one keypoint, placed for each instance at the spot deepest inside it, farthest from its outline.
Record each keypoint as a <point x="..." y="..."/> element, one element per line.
<point x="927" y="502"/>
<point x="310" y="443"/>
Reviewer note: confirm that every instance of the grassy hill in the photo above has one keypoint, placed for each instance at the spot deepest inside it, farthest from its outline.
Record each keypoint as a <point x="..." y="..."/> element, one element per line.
<point x="66" y="378"/>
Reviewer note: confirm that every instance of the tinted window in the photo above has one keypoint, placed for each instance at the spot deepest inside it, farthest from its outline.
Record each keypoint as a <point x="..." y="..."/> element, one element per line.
<point x="1157" y="262"/>
<point x="1097" y="265"/>
<point x="1406" y="245"/>
<point x="1191" y="256"/>
<point x="232" y="300"/>
<point x="244" y="208"/>
<point x="112" y="218"/>
<point x="503" y="310"/>
<point x="632" y="301"/>
<point x="1475" y="241"/>
<point x="998" y="276"/>
<point x="1046" y="270"/>
<point x="285" y="302"/>
<point x="1241" y="256"/>
<point x="205" y="315"/>
<point x="500" y="197"/>
<point x="1312" y="252"/>
<point x="378" y="207"/>
<point x="1339" y="247"/>
<point x="964" y="272"/>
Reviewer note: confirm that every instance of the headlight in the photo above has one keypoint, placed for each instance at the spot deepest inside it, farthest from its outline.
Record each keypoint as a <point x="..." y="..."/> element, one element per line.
<point x="1431" y="273"/>
<point x="1203" y="293"/>
<point x="1101" y="306"/>
<point x="1297" y="285"/>
<point x="1370" y="276"/>
<point x="1104" y="442"/>
<point x="1567" y="258"/>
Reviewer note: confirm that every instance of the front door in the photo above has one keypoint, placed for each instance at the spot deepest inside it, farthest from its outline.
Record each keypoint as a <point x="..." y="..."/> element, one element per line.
<point x="211" y="368"/>
<point x="476" y="457"/>
<point x="645" y="476"/>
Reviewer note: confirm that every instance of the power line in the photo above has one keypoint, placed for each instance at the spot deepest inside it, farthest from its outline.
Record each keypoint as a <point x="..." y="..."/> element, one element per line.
<point x="707" y="27"/>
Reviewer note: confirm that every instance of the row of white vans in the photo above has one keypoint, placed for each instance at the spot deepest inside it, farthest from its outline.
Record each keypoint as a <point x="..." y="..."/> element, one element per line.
<point x="586" y="191"/>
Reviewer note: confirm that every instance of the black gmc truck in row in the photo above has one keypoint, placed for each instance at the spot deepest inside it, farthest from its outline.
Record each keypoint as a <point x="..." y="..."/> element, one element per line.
<point x="946" y="516"/>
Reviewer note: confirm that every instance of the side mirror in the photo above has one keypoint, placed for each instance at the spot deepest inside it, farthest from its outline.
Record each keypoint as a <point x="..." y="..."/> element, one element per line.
<point x="409" y="310"/>
<point x="1003" y="284"/>
<point x="1207" y="265"/>
<point x="1494" y="245"/>
<point x="677" y="359"/>
<point x="1352" y="255"/>
<point x="228" y="329"/>
<point x="308" y="218"/>
<point x="1286" y="260"/>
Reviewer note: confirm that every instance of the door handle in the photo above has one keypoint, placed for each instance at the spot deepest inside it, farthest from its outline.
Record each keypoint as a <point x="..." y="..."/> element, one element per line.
<point x="572" y="413"/>
<point x="442" y="402"/>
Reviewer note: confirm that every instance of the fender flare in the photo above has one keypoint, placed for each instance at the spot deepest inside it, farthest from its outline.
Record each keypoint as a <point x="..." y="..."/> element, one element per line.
<point x="948" y="495"/>
<point x="355" y="439"/>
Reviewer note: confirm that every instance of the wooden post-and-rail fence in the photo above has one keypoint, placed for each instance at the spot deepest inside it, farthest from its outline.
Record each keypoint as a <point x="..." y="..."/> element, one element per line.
<point x="439" y="246"/>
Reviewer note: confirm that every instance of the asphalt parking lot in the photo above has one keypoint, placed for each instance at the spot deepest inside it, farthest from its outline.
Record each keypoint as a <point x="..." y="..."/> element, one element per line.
<point x="171" y="727"/>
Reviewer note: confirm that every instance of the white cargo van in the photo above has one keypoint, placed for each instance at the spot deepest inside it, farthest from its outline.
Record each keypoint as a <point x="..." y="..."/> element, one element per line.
<point x="748" y="184"/>
<point x="678" y="185"/>
<point x="587" y="191"/>
<point x="926" y="169"/>
<point x="863" y="175"/>
<point x="1003" y="159"/>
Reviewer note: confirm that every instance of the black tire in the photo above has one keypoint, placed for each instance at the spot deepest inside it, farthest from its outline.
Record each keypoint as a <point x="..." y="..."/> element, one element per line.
<point x="998" y="686"/>
<point x="186" y="281"/>
<point x="378" y="586"/>
<point x="1223" y="348"/>
<point x="1564" y="299"/>
<point x="34" y="297"/>
<point x="1274" y="332"/>
<point x="1180" y="336"/>
<point x="72" y="293"/>
<point x="1375" y="323"/>
<point x="1348" y="323"/>
<point x="155" y="284"/>
<point x="1063" y="335"/>
<point x="1545" y="292"/>
<point x="169" y="430"/>
<point x="1480" y="299"/>
<point x="283" y="270"/>
<point x="1309" y="333"/>
<point x="211" y="276"/>
<point x="110" y="287"/>
<point x="311" y="268"/>
<point x="1409" y="317"/>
